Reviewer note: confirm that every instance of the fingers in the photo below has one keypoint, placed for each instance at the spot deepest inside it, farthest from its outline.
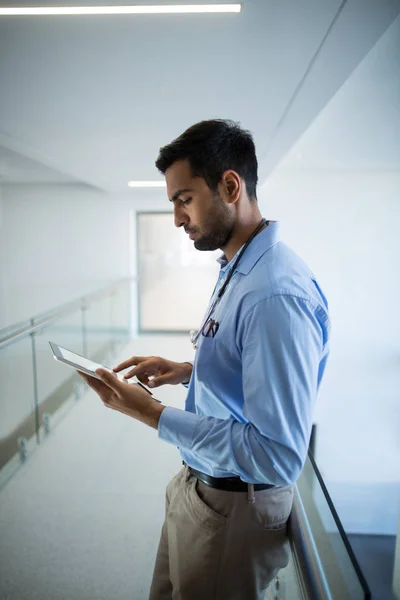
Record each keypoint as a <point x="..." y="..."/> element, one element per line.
<point x="109" y="379"/>
<point x="157" y="381"/>
<point x="134" y="360"/>
<point x="95" y="384"/>
<point x="145" y="369"/>
<point x="143" y="378"/>
<point x="141" y="372"/>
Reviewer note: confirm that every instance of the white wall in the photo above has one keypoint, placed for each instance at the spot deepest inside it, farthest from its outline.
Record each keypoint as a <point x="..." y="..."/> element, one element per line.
<point x="59" y="242"/>
<point x="337" y="193"/>
<point x="345" y="225"/>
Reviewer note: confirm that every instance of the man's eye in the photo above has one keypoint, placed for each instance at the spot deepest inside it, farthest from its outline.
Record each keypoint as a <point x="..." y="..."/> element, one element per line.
<point x="186" y="201"/>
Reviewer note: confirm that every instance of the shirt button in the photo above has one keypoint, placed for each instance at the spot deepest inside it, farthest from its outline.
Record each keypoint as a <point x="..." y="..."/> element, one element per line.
<point x="223" y="280"/>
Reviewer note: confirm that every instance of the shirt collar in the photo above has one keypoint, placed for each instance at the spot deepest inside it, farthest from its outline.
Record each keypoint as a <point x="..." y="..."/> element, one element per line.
<point x="267" y="238"/>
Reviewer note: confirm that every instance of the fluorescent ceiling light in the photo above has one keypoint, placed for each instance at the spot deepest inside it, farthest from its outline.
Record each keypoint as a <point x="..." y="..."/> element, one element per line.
<point x="147" y="184"/>
<point x="122" y="10"/>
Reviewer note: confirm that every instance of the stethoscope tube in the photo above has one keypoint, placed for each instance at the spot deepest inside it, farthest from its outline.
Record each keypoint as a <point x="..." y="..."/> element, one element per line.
<point x="194" y="337"/>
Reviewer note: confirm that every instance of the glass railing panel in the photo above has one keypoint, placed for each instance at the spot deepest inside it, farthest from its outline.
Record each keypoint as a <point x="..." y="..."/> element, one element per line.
<point x="17" y="400"/>
<point x="56" y="381"/>
<point x="121" y="314"/>
<point x="98" y="328"/>
<point x="35" y="390"/>
<point x="342" y="576"/>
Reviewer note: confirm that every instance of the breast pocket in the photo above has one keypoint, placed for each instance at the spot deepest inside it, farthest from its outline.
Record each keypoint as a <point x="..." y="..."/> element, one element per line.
<point x="205" y="357"/>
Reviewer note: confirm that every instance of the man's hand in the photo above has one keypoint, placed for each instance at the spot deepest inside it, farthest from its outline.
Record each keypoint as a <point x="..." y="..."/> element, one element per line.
<point x="164" y="371"/>
<point x="129" y="399"/>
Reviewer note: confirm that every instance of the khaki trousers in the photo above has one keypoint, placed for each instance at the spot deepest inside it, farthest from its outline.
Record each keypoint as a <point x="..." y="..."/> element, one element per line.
<point x="216" y="545"/>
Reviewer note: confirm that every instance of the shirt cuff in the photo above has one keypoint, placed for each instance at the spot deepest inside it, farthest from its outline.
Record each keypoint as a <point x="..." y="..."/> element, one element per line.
<point x="177" y="426"/>
<point x="189" y="362"/>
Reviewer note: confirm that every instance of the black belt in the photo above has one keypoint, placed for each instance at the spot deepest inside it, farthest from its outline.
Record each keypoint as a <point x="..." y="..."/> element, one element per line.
<point x="228" y="484"/>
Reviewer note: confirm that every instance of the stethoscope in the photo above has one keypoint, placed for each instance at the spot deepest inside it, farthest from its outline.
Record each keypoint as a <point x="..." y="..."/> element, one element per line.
<point x="195" y="335"/>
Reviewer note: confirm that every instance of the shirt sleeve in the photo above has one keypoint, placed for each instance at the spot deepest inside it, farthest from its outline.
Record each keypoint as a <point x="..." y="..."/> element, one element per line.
<point x="189" y="362"/>
<point x="282" y="345"/>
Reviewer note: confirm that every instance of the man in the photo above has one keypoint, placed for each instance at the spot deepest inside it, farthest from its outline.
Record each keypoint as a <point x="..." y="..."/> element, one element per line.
<point x="261" y="354"/>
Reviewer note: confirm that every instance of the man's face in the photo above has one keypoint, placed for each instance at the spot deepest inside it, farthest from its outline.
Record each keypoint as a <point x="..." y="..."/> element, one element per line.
<point x="205" y="216"/>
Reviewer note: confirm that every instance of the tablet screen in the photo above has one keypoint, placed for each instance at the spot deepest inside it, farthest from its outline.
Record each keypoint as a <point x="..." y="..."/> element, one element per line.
<point x="79" y="360"/>
<point x="80" y="363"/>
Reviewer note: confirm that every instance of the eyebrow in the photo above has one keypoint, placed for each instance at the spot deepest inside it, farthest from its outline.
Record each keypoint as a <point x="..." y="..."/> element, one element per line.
<point x="178" y="193"/>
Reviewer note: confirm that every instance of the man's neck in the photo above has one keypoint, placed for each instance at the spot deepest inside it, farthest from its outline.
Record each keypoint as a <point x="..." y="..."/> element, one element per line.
<point x="240" y="237"/>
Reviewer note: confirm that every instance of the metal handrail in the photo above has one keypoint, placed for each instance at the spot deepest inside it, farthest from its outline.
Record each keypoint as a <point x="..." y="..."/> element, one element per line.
<point x="305" y="553"/>
<point x="43" y="320"/>
<point x="14" y="326"/>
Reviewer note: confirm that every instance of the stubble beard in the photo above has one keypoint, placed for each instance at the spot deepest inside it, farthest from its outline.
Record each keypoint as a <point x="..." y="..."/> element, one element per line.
<point x="218" y="228"/>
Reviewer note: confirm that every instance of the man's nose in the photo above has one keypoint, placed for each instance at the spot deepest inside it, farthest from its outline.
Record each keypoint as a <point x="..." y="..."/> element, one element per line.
<point x="180" y="218"/>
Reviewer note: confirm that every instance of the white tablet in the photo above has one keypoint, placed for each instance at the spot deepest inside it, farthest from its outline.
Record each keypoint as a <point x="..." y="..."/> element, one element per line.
<point x="80" y="363"/>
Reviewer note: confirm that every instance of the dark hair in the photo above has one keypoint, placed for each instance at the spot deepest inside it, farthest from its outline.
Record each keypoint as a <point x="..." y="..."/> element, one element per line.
<point x="212" y="147"/>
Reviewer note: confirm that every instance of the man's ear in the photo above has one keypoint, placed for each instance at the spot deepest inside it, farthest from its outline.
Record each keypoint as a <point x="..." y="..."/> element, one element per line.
<point x="231" y="185"/>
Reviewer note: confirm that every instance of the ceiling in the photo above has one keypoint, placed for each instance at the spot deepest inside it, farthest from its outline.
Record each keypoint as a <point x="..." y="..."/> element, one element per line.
<point x="94" y="98"/>
<point x="15" y="168"/>
<point x="360" y="127"/>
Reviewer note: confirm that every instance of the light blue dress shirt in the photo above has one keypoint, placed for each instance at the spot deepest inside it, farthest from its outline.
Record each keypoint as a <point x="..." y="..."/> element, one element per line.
<point x="253" y="388"/>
